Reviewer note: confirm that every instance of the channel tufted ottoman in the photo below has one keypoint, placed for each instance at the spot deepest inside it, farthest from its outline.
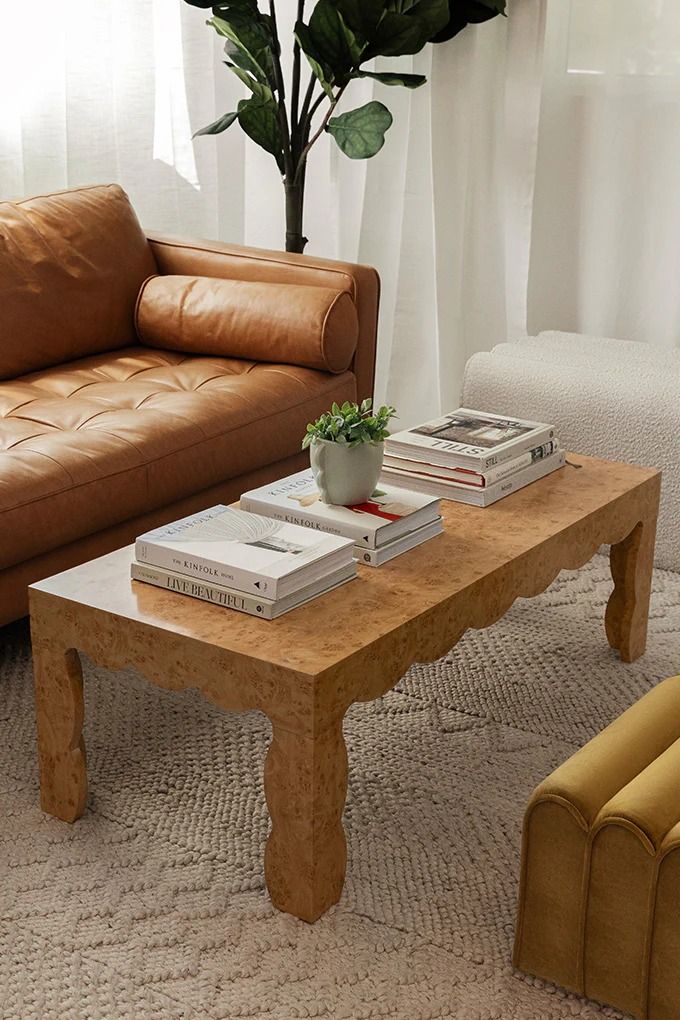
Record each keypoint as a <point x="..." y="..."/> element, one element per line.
<point x="599" y="904"/>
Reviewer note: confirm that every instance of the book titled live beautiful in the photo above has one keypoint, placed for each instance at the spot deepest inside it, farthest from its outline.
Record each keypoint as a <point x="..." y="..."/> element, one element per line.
<point x="231" y="598"/>
<point x="389" y="514"/>
<point x="254" y="554"/>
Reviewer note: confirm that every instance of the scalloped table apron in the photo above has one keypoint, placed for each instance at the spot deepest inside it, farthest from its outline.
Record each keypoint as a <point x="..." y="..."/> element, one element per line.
<point x="305" y="669"/>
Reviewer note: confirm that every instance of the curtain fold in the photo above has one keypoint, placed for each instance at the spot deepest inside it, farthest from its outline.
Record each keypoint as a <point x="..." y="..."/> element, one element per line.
<point x="606" y="236"/>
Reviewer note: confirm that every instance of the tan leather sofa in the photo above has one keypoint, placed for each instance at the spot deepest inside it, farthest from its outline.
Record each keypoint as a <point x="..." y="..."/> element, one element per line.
<point x="103" y="434"/>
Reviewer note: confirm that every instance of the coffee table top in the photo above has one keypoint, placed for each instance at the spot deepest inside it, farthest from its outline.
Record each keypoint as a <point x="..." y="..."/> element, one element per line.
<point x="475" y="544"/>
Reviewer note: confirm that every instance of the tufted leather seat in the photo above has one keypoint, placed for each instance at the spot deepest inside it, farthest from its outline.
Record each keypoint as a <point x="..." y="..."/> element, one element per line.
<point x="95" y="448"/>
<point x="106" y="438"/>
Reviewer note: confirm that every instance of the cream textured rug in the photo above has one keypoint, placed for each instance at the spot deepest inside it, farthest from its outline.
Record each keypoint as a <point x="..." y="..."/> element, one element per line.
<point x="153" y="905"/>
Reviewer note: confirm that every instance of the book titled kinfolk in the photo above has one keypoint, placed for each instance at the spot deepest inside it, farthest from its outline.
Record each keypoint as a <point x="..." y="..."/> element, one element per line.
<point x="389" y="514"/>
<point x="248" y="552"/>
<point x="387" y="552"/>
<point x="468" y="438"/>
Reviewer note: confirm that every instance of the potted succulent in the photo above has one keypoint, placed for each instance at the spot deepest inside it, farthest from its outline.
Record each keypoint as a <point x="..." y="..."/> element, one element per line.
<point x="346" y="451"/>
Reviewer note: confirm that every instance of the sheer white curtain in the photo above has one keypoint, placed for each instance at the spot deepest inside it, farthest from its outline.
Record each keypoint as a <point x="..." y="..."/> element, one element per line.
<point x="113" y="91"/>
<point x="606" y="240"/>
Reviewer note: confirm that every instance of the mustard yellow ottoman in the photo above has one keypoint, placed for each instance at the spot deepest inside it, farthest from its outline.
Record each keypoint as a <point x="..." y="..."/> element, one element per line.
<point x="599" y="904"/>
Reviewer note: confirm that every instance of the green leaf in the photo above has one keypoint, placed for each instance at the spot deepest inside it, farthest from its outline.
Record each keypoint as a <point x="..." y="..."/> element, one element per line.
<point x="409" y="81"/>
<point x="249" y="44"/>
<point x="361" y="133"/>
<point x="256" y="87"/>
<point x="220" y="8"/>
<point x="407" y="26"/>
<point x="333" y="40"/>
<point x="362" y="16"/>
<point x="218" y="126"/>
<point x="397" y="34"/>
<point x="434" y="14"/>
<point x="260" y="121"/>
<point x="322" y="73"/>
<point x="465" y="12"/>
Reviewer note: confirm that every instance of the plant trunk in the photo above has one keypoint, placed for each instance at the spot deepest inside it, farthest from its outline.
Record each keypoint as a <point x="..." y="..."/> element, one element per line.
<point x="295" y="203"/>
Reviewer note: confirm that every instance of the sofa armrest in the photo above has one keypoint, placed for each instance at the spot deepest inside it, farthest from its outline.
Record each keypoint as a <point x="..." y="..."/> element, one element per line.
<point x="188" y="257"/>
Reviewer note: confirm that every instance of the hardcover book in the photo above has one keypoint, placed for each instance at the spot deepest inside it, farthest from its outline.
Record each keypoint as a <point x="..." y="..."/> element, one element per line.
<point x="390" y="512"/>
<point x="469" y="438"/>
<point x="385" y="553"/>
<point x="486" y="496"/>
<point x="249" y="552"/>
<point x="230" y="598"/>
<point x="468" y="476"/>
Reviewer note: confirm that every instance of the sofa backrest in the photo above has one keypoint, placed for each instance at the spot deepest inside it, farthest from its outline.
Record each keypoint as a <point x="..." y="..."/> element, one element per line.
<point x="71" y="265"/>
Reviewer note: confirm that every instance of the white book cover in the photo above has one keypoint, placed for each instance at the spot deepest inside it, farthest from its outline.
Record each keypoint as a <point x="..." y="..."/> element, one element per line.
<point x="390" y="512"/>
<point x="485" y="497"/>
<point x="246" y="551"/>
<point x="469" y="438"/>
<point x="376" y="557"/>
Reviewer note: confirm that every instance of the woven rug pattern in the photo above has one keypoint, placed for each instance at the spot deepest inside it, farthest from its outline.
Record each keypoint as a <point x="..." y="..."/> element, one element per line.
<point x="153" y="905"/>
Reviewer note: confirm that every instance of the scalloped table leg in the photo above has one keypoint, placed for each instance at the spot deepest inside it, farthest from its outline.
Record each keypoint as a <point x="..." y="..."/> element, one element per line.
<point x="306" y="785"/>
<point x="59" y="715"/>
<point x="632" y="562"/>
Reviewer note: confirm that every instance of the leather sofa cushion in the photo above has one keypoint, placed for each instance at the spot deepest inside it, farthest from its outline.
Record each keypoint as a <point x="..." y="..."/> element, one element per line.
<point x="299" y="325"/>
<point x="107" y="438"/>
<point x="71" y="265"/>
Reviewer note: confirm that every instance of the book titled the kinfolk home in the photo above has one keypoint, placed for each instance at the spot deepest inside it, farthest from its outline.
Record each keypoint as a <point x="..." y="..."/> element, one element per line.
<point x="390" y="513"/>
<point x="248" y="552"/>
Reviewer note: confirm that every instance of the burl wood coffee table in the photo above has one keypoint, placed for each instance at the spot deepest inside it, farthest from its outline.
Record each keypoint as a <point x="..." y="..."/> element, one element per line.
<point x="305" y="669"/>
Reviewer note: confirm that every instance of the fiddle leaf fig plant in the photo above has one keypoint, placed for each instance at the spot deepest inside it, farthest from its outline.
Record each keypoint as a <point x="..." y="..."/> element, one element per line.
<point x="339" y="42"/>
<point x="351" y="424"/>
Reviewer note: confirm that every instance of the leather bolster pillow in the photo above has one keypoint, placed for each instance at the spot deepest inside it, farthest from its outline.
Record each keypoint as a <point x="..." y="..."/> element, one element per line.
<point x="277" y="322"/>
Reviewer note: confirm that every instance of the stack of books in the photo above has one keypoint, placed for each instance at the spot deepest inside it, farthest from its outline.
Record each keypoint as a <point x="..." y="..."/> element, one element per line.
<point x="471" y="456"/>
<point x="244" y="561"/>
<point x="393" y="521"/>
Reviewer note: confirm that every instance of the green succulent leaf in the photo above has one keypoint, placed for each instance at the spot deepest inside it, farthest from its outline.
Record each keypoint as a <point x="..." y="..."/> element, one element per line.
<point x="409" y="81"/>
<point x="218" y="126"/>
<point x="259" y="119"/>
<point x="360" y="133"/>
<point x="350" y="425"/>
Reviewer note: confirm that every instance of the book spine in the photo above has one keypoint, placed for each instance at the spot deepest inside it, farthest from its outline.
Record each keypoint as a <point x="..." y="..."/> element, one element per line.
<point x="518" y="480"/>
<point x="299" y="517"/>
<point x="200" y="590"/>
<point x="497" y="474"/>
<point x="207" y="571"/>
<point x="369" y="557"/>
<point x="496" y="459"/>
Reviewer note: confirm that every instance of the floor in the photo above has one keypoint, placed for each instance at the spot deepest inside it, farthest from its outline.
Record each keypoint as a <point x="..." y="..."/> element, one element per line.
<point x="153" y="905"/>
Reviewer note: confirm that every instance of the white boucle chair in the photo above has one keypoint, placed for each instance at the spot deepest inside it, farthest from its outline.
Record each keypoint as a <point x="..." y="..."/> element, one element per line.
<point x="616" y="399"/>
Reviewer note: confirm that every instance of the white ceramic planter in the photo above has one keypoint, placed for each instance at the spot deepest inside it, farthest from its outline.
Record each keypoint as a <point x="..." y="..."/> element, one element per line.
<point x="346" y="475"/>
